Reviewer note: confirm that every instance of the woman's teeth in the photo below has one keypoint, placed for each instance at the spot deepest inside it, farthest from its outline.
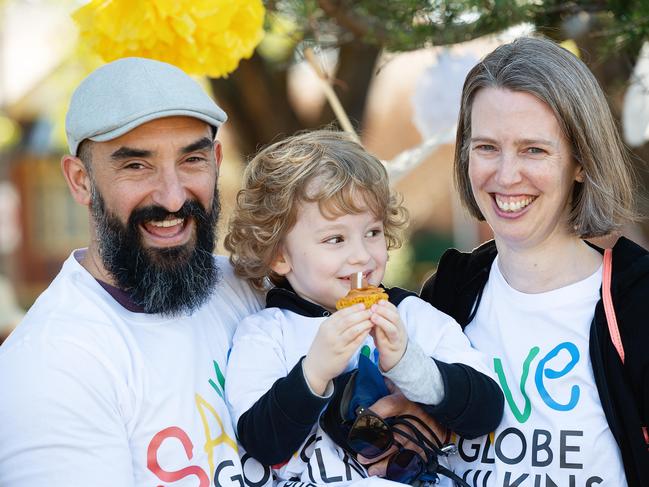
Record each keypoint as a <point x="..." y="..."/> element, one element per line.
<point x="511" y="206"/>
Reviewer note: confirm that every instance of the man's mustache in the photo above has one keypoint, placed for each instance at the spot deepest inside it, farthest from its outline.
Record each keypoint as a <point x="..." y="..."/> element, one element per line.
<point x="191" y="208"/>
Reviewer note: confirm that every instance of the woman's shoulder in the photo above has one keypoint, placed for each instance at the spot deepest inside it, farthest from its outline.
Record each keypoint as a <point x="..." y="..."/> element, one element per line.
<point x="630" y="268"/>
<point x="459" y="279"/>
<point x="626" y="252"/>
<point x="457" y="268"/>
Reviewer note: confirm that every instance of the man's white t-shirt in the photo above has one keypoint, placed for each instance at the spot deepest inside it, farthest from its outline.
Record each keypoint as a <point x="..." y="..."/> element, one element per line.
<point x="95" y="395"/>
<point x="553" y="431"/>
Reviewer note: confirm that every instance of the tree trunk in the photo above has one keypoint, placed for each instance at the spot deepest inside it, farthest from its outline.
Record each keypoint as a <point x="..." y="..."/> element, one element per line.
<point x="256" y="100"/>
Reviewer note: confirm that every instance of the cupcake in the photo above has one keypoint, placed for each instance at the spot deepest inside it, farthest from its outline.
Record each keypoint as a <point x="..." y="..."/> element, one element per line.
<point x="361" y="292"/>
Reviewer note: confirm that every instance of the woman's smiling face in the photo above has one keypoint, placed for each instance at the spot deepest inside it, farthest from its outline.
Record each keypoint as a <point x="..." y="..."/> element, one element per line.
<point x="521" y="168"/>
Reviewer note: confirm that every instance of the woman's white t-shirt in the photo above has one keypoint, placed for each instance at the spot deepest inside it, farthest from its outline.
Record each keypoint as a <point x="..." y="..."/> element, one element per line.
<point x="553" y="431"/>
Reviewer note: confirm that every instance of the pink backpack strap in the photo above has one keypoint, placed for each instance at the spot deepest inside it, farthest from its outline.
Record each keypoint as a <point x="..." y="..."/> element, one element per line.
<point x="611" y="319"/>
<point x="608" y="304"/>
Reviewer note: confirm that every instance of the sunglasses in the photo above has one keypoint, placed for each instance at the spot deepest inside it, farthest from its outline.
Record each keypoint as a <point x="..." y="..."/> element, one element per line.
<point x="371" y="436"/>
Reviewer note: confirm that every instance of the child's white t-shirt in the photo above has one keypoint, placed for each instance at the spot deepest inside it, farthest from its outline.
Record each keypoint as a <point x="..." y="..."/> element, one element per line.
<point x="268" y="344"/>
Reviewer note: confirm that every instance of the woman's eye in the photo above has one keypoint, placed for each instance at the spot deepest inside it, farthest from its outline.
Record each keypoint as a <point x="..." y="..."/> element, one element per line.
<point x="535" y="150"/>
<point x="486" y="147"/>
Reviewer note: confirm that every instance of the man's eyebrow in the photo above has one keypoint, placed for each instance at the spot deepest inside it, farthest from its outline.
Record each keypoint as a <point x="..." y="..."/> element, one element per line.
<point x="200" y="144"/>
<point x="129" y="152"/>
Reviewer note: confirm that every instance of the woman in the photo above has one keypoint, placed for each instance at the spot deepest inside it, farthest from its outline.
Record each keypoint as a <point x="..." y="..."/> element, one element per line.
<point x="539" y="158"/>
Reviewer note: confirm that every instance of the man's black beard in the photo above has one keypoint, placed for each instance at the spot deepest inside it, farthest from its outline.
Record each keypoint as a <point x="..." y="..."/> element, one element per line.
<point x="171" y="281"/>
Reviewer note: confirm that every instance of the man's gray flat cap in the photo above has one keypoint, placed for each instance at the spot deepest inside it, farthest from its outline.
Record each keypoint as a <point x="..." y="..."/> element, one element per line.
<point x="126" y="93"/>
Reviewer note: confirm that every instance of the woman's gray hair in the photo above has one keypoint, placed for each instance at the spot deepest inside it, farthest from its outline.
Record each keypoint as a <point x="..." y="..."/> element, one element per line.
<point x="540" y="67"/>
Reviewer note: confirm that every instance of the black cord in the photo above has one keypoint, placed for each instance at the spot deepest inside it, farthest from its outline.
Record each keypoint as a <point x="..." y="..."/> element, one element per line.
<point x="421" y="438"/>
<point x="427" y="428"/>
<point x="431" y="450"/>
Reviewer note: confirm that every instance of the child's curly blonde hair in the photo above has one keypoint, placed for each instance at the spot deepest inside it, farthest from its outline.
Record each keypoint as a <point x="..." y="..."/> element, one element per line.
<point x="321" y="166"/>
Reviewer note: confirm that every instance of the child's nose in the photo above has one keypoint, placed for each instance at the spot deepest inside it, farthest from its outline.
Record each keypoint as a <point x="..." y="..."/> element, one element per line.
<point x="359" y="254"/>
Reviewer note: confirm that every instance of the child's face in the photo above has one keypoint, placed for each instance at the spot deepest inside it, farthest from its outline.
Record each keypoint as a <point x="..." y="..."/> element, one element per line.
<point x="319" y="254"/>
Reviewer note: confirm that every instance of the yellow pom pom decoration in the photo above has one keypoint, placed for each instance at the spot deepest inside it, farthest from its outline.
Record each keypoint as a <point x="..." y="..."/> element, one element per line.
<point x="202" y="37"/>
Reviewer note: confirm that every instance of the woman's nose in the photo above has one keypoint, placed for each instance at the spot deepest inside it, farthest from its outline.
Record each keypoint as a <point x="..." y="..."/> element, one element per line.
<point x="509" y="170"/>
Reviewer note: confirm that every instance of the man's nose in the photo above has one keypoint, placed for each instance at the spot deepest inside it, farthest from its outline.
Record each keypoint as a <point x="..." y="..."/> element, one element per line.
<point x="170" y="192"/>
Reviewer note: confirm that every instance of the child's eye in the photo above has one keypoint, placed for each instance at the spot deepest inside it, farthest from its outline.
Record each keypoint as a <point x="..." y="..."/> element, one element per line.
<point x="333" y="240"/>
<point x="375" y="232"/>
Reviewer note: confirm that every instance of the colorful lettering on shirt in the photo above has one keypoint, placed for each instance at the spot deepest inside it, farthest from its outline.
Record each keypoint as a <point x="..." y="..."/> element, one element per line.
<point x="212" y="442"/>
<point x="227" y="472"/>
<point x="542" y="370"/>
<point x="154" y="466"/>
<point x="539" y="447"/>
<point x="520" y="416"/>
<point x="220" y="387"/>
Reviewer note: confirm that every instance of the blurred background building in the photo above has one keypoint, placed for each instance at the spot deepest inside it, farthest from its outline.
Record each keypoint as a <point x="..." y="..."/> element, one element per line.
<point x="395" y="66"/>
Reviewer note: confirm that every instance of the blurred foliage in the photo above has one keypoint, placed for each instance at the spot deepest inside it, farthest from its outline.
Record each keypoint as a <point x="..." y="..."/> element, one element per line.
<point x="399" y="269"/>
<point x="401" y="25"/>
<point x="9" y="132"/>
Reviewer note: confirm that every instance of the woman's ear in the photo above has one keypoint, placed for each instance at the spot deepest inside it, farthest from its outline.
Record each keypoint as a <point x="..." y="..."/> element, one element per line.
<point x="280" y="264"/>
<point x="78" y="179"/>
<point x="580" y="176"/>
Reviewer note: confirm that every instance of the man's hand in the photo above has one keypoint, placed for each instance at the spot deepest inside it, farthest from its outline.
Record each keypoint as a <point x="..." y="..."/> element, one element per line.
<point x="389" y="334"/>
<point x="396" y="404"/>
<point x="338" y="337"/>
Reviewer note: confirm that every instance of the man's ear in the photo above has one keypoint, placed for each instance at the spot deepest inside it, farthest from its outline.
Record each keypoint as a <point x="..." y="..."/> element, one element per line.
<point x="280" y="264"/>
<point x="218" y="155"/>
<point x="78" y="179"/>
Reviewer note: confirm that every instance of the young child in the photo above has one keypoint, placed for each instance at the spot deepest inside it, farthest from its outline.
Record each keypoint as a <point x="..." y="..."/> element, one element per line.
<point x="314" y="209"/>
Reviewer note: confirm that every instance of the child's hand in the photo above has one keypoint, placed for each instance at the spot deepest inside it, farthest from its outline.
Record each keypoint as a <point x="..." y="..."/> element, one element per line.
<point x="338" y="338"/>
<point x="389" y="334"/>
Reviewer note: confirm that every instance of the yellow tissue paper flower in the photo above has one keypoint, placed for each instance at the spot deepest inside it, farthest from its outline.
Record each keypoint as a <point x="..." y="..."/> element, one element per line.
<point x="571" y="46"/>
<point x="203" y="37"/>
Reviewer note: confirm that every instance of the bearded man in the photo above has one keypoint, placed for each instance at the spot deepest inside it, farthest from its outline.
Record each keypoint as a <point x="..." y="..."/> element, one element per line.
<point x="114" y="377"/>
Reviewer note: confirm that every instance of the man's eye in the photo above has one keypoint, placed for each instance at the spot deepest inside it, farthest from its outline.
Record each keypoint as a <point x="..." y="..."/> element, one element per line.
<point x="535" y="150"/>
<point x="195" y="159"/>
<point x="134" y="165"/>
